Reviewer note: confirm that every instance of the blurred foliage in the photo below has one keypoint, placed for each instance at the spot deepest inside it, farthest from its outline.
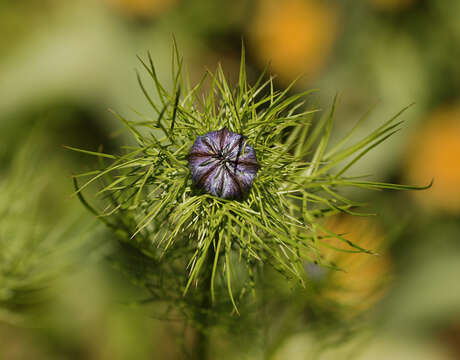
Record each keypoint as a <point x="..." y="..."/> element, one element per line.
<point x="35" y="248"/>
<point x="67" y="62"/>
<point x="142" y="8"/>
<point x="392" y="5"/>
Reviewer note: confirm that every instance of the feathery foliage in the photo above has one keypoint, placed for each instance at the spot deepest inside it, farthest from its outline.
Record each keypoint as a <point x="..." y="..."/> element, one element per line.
<point x="35" y="248"/>
<point x="147" y="195"/>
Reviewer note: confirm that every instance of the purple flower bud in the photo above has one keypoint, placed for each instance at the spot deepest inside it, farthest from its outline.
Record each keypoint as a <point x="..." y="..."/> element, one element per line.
<point x="223" y="164"/>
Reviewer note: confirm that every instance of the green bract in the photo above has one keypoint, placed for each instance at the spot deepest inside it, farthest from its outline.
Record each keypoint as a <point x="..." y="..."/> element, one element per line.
<point x="150" y="201"/>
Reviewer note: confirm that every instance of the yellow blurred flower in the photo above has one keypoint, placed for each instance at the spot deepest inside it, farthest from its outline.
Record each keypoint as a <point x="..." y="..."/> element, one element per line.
<point x="392" y="5"/>
<point x="295" y="36"/>
<point x="142" y="8"/>
<point x="435" y="153"/>
<point x="365" y="277"/>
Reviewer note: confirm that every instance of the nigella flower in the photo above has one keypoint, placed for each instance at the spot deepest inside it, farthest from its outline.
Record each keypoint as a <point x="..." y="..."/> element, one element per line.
<point x="223" y="164"/>
<point x="295" y="180"/>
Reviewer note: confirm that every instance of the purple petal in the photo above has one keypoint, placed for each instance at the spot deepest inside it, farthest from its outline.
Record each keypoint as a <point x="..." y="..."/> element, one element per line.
<point x="223" y="164"/>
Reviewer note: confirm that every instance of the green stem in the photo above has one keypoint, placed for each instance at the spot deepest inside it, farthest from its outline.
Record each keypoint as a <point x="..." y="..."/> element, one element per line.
<point x="202" y="341"/>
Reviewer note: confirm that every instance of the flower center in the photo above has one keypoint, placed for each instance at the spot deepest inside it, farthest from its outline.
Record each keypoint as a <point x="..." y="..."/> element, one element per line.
<point x="219" y="165"/>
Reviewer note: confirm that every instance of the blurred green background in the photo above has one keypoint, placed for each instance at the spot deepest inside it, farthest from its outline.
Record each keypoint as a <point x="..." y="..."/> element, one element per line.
<point x="64" y="63"/>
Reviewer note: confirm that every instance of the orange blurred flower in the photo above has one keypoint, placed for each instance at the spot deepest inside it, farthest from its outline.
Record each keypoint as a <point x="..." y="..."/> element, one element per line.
<point x="365" y="276"/>
<point x="295" y="36"/>
<point x="435" y="153"/>
<point x="142" y="8"/>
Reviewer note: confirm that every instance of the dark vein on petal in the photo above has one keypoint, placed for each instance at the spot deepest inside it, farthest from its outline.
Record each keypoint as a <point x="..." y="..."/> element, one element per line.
<point x="222" y="136"/>
<point x="221" y="184"/>
<point x="205" y="176"/>
<point x="207" y="162"/>
<point x="245" y="162"/>
<point x="236" y="143"/>
<point x="235" y="180"/>
<point x="208" y="145"/>
<point x="199" y="154"/>
<point x="239" y="152"/>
